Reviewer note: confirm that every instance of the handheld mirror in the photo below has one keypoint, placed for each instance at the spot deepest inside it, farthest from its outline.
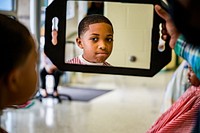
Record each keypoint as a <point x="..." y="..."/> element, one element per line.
<point x="138" y="49"/>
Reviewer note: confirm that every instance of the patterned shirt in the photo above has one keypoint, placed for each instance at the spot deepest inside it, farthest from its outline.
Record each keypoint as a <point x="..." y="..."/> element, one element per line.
<point x="182" y="116"/>
<point x="191" y="53"/>
<point x="80" y="60"/>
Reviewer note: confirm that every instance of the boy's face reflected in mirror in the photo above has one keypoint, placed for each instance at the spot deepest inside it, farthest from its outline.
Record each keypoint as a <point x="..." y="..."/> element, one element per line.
<point x="96" y="42"/>
<point x="136" y="34"/>
<point x="132" y="35"/>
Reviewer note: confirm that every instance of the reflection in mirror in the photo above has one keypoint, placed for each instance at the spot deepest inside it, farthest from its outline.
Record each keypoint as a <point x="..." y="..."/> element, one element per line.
<point x="132" y="24"/>
<point x="136" y="37"/>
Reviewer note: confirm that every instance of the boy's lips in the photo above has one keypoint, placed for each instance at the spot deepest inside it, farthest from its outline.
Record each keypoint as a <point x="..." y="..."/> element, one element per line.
<point x="102" y="53"/>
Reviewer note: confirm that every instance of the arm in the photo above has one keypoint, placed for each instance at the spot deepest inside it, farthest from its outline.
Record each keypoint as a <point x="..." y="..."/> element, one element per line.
<point x="190" y="53"/>
<point x="49" y="66"/>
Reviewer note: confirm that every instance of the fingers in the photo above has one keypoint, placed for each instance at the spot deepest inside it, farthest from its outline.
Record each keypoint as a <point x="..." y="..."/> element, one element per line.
<point x="164" y="32"/>
<point x="164" y="37"/>
<point x="168" y="29"/>
<point x="161" y="12"/>
<point x="164" y="29"/>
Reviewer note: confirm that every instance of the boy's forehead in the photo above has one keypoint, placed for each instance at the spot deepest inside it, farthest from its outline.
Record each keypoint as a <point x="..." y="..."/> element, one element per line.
<point x="96" y="23"/>
<point x="95" y="27"/>
<point x="99" y="25"/>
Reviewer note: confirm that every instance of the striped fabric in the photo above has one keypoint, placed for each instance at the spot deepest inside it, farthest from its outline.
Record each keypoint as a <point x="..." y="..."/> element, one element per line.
<point x="77" y="60"/>
<point x="182" y="117"/>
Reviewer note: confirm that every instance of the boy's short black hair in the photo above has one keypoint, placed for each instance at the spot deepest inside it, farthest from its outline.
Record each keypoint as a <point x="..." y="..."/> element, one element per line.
<point x="92" y="19"/>
<point x="14" y="44"/>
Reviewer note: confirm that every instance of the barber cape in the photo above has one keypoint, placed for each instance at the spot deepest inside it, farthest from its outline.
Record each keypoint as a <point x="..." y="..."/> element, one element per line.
<point x="182" y="117"/>
<point x="80" y="60"/>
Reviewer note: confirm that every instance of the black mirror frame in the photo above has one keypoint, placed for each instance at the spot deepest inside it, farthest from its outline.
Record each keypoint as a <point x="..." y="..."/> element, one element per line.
<point x="56" y="52"/>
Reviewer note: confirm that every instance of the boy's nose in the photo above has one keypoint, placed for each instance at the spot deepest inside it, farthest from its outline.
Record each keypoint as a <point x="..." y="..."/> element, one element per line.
<point x="102" y="45"/>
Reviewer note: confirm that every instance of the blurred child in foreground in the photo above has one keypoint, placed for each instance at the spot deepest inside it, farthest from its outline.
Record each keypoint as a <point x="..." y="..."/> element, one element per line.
<point x="18" y="69"/>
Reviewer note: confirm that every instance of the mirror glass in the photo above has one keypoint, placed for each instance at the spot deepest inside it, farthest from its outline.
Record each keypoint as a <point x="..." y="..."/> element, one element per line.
<point x="137" y="46"/>
<point x="132" y="24"/>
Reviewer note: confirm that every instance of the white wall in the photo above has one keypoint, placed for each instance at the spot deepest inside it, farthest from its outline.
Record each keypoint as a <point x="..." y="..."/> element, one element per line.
<point x="132" y="33"/>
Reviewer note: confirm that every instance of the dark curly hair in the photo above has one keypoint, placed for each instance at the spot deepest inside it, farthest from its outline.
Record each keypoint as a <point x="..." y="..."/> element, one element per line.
<point x="91" y="19"/>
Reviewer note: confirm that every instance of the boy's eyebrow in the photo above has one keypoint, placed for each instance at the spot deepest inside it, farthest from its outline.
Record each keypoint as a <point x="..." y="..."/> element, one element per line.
<point x="110" y="35"/>
<point x="99" y="35"/>
<point x="95" y="34"/>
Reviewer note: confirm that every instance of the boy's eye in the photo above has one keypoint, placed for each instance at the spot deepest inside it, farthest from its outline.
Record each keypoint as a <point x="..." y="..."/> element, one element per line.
<point x="109" y="39"/>
<point x="94" y="39"/>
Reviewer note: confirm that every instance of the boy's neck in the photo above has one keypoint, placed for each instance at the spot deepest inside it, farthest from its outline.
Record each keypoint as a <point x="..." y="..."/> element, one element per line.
<point x="84" y="61"/>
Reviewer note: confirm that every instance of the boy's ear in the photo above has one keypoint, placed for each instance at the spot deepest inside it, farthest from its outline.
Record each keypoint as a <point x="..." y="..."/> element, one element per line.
<point x="13" y="80"/>
<point x="79" y="42"/>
